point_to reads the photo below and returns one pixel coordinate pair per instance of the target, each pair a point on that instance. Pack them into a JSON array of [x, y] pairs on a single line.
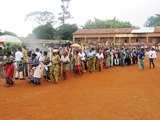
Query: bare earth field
[[120, 93]]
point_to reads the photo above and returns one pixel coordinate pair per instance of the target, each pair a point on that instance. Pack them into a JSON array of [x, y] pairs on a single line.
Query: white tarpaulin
[[144, 30]]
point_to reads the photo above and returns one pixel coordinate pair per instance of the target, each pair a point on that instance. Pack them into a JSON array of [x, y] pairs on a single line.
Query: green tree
[[109, 23], [153, 21], [44, 32], [65, 31]]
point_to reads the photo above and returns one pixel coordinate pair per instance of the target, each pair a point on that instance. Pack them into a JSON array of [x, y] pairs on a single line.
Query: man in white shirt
[[18, 55], [38, 53], [152, 56], [19, 64]]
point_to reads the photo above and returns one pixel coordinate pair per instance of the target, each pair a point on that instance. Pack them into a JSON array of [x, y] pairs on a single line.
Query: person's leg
[[97, 65], [94, 64], [118, 61], [112, 60], [108, 62], [16, 74], [101, 65], [56, 74], [51, 74], [21, 77], [153, 63], [139, 63], [64, 74], [150, 62], [90, 65], [142, 64], [25, 70], [83, 66], [7, 81], [38, 81], [10, 80]]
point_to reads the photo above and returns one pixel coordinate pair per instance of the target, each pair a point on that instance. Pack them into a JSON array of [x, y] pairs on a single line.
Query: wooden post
[[74, 39], [129, 41], [114, 40], [147, 39]]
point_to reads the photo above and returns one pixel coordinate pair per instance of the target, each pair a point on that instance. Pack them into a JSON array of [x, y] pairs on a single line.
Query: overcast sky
[[13, 12]]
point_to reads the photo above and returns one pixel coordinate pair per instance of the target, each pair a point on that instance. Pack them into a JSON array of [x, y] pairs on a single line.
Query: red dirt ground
[[114, 94]]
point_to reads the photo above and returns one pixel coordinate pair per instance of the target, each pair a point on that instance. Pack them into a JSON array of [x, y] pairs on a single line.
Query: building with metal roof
[[147, 36]]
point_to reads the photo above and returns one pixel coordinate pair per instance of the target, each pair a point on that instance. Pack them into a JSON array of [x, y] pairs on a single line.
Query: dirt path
[[114, 94]]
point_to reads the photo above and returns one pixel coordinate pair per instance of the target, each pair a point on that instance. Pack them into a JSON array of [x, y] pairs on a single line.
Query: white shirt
[[18, 56], [82, 55], [65, 59], [100, 55], [41, 58], [152, 54], [38, 54]]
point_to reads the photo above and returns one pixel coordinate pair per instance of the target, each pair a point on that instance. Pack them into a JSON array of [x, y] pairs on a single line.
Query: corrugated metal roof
[[104, 31], [157, 29], [118, 31], [144, 30]]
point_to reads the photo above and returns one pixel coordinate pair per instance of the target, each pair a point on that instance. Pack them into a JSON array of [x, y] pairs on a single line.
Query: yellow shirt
[[25, 55], [55, 59]]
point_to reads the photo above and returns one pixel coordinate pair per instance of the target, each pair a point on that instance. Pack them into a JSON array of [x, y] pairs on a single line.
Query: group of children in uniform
[[61, 63]]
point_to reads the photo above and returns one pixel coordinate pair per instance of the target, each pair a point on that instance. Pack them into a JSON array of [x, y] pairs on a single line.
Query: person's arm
[[68, 60], [155, 55]]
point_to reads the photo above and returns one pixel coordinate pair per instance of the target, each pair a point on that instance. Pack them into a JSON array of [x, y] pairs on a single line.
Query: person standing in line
[[141, 56], [25, 61], [108, 59], [65, 68], [55, 68], [38, 53], [122, 57], [9, 70], [83, 59], [37, 74], [71, 57], [111, 57], [94, 59], [19, 64], [90, 57], [152, 56], [116, 58], [100, 58], [46, 63], [77, 60]]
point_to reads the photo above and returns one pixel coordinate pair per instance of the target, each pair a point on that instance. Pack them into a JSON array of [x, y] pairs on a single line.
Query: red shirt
[[9, 70]]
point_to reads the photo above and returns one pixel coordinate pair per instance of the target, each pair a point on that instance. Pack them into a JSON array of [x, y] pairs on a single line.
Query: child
[[35, 74]]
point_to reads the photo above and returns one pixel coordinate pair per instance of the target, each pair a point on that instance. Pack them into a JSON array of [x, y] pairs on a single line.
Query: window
[[126, 41]]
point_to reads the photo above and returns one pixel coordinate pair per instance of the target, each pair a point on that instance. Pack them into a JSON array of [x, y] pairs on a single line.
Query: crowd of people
[[56, 64]]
